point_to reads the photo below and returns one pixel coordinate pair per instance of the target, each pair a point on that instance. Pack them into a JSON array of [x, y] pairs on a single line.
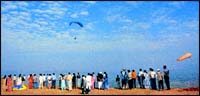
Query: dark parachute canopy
[[80, 24]]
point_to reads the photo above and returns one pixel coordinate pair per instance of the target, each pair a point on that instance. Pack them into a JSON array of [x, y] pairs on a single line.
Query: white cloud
[[112, 18], [22, 3], [42, 22], [85, 13], [144, 25], [134, 3], [8, 5], [177, 4], [193, 24], [55, 9], [74, 15], [26, 14], [90, 2], [127, 20], [14, 12]]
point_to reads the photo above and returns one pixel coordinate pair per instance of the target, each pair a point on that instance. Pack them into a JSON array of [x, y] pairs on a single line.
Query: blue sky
[[36, 36]]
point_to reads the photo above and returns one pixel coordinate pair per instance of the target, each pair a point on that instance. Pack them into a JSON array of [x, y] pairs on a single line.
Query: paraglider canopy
[[75, 22], [185, 56]]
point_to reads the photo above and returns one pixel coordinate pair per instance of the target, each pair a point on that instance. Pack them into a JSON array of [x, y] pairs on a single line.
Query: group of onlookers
[[66, 81], [87, 82], [145, 79]]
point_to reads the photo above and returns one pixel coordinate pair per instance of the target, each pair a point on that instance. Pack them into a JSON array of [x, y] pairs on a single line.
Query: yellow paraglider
[[22, 88], [185, 56]]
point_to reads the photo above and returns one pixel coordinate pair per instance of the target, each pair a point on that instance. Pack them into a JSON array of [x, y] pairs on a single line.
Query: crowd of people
[[145, 79], [65, 81], [87, 82]]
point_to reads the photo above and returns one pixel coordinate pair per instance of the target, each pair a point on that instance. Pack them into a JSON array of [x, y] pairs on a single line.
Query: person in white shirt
[[88, 82], [54, 81], [19, 82], [146, 80], [141, 76], [41, 81], [160, 79], [152, 76], [49, 81]]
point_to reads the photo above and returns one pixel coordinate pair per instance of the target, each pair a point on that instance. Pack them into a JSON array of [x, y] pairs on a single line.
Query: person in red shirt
[[9, 83], [30, 79]]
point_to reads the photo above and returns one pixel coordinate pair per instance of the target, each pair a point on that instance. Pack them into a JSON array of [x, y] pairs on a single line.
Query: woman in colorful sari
[[30, 79], [9, 83]]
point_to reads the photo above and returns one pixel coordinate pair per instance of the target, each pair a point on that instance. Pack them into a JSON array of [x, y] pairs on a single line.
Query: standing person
[[49, 81], [9, 83], [134, 77], [74, 81], [92, 81], [94, 78], [146, 80], [82, 81], [19, 82], [78, 80], [60, 79], [124, 78], [100, 80], [44, 80], [138, 78], [66, 81], [83, 84], [53, 81], [160, 79], [118, 81], [130, 81], [166, 77], [40, 81], [23, 79], [106, 86], [103, 85], [88, 82], [35, 79], [63, 85], [30, 79], [14, 79], [153, 79], [69, 79], [3, 83], [141, 76]]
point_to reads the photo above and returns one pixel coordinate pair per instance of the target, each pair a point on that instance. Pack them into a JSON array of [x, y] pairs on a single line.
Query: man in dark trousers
[[166, 77]]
